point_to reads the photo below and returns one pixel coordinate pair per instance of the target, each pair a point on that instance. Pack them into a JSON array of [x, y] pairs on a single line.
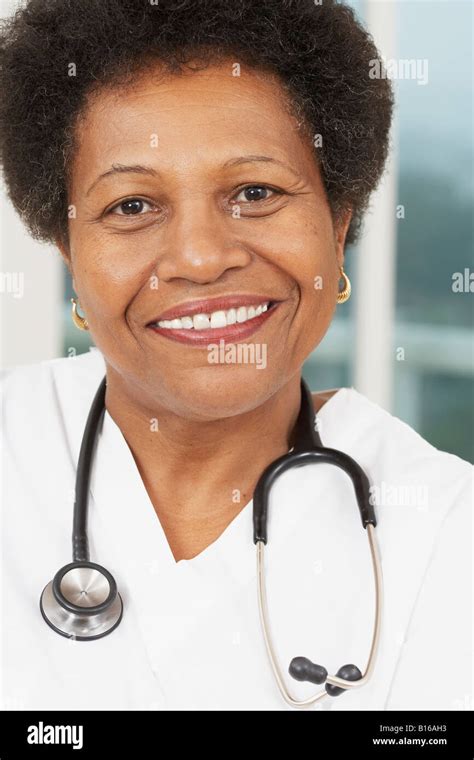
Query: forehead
[[193, 118]]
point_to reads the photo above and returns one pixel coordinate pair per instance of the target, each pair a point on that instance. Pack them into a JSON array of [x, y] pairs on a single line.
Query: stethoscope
[[82, 601]]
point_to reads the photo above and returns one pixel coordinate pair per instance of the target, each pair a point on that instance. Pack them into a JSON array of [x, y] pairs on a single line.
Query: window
[[433, 351]]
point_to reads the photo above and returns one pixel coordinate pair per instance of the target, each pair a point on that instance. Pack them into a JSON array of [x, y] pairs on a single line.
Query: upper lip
[[208, 305]]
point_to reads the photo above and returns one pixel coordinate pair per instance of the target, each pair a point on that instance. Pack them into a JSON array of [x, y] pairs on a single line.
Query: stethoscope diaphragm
[[82, 601]]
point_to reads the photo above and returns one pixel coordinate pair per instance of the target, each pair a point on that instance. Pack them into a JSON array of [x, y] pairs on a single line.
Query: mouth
[[199, 323]]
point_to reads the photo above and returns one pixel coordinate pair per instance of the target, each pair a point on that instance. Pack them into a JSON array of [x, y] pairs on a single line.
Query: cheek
[[311, 261], [316, 273], [321, 291], [106, 276]]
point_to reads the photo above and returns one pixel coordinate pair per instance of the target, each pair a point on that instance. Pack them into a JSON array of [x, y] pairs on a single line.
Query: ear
[[66, 257], [341, 228]]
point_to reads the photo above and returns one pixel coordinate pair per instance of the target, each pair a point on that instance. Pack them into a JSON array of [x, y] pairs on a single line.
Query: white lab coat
[[190, 637]]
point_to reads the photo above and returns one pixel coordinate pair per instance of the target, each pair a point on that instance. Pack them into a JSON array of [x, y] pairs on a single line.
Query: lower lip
[[231, 333]]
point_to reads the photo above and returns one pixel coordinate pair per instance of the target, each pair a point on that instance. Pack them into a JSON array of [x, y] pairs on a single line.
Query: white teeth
[[201, 322], [217, 319], [241, 314]]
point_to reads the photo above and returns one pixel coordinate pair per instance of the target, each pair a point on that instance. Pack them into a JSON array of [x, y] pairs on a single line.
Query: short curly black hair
[[319, 51]]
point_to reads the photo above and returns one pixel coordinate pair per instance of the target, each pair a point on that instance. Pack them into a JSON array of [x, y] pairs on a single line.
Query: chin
[[223, 391]]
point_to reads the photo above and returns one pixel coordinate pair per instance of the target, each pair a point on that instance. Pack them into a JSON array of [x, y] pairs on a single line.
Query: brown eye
[[255, 193], [131, 207]]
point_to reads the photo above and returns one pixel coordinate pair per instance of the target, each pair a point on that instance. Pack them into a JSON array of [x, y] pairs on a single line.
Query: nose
[[200, 244]]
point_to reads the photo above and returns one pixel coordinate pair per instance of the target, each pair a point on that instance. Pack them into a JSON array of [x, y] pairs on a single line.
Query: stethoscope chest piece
[[82, 601]]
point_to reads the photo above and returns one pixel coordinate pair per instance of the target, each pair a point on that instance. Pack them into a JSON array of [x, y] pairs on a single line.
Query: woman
[[201, 168]]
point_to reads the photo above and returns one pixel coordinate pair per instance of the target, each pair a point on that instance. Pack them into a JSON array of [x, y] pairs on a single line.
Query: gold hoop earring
[[345, 294], [80, 322]]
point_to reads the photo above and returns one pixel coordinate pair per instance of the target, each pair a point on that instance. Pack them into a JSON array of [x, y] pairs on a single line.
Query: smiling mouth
[[193, 326], [215, 319]]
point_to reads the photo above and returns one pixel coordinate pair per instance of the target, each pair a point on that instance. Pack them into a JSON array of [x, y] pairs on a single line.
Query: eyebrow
[[123, 169], [256, 159], [140, 169]]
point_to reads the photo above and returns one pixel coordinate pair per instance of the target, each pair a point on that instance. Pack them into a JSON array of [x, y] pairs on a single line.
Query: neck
[[202, 472]]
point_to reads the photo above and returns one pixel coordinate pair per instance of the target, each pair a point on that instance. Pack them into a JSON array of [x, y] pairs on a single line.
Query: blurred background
[[405, 338]]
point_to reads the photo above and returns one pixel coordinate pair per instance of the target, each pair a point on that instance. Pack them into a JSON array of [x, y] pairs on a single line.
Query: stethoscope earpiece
[[303, 669], [348, 673], [82, 601]]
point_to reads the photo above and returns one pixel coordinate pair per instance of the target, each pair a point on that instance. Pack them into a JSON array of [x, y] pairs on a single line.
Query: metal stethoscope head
[[82, 601]]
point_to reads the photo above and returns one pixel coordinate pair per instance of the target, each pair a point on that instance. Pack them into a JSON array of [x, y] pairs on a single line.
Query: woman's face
[[195, 187]]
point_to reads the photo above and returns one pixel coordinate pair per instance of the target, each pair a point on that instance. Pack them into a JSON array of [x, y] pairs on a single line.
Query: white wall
[[31, 277]]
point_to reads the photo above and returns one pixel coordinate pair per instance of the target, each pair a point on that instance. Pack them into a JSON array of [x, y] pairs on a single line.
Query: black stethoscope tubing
[[102, 607]]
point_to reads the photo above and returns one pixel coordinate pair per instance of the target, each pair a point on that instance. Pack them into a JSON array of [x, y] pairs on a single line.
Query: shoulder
[[350, 419], [412, 481], [34, 395]]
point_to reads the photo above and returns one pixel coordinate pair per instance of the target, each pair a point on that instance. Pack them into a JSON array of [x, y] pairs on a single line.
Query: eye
[[131, 207], [256, 193]]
